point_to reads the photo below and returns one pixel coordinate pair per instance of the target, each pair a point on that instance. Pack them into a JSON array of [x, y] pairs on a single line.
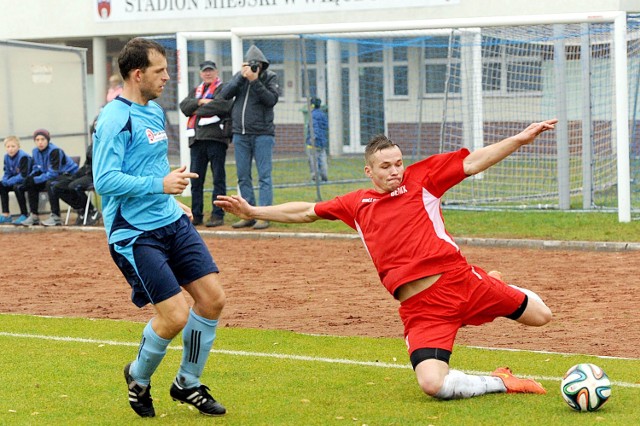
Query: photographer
[[256, 92]]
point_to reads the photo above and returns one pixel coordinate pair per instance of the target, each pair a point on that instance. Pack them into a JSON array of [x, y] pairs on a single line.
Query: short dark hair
[[377, 143], [135, 55]]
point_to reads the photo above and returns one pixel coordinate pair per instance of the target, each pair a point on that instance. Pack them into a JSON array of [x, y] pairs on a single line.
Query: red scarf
[[200, 94]]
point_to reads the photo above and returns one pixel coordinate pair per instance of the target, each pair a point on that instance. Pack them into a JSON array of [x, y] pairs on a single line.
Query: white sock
[[529, 293], [458, 385]]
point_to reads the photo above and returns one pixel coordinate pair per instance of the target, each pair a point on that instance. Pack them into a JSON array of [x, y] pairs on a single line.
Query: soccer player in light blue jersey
[[150, 234]]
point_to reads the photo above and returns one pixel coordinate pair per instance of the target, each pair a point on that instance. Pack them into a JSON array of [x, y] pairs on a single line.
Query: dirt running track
[[329, 286]]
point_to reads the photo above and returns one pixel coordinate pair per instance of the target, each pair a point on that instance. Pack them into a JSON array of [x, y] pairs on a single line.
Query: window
[[508, 66], [311, 76], [400, 59], [511, 67], [312, 81], [442, 64], [400, 80]]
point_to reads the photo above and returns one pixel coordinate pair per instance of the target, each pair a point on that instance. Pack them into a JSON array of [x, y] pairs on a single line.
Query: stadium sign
[[134, 10]]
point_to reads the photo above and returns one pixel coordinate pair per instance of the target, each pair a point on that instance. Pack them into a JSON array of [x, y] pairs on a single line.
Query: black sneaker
[[79, 218], [93, 217], [199, 397], [215, 221], [139, 397]]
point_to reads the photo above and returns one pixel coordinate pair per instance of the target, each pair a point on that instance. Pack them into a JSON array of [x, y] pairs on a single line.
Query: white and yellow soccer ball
[[585, 387]]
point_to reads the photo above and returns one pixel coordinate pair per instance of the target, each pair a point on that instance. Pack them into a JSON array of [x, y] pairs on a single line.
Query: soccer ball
[[585, 387]]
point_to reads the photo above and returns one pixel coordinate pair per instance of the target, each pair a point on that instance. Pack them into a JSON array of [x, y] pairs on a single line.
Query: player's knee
[[429, 386], [537, 314], [545, 315], [210, 306], [430, 374], [218, 301], [168, 328], [180, 321]]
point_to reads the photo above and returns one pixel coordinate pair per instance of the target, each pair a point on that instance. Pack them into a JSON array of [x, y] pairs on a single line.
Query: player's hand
[[535, 129], [186, 209], [176, 181], [248, 73], [235, 205]]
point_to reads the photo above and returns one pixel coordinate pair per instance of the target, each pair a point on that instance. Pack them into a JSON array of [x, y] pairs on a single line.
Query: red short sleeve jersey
[[403, 231]]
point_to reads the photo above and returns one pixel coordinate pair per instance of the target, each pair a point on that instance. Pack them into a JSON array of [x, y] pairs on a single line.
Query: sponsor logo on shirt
[[399, 191], [369, 200], [156, 137]]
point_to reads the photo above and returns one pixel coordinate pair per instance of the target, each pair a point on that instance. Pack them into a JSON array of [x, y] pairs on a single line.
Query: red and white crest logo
[[156, 137], [104, 8]]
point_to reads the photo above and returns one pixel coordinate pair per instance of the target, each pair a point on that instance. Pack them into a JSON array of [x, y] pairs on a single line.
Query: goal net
[[433, 90]]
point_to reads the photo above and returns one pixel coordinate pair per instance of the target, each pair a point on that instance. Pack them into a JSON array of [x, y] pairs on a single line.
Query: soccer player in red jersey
[[401, 225]]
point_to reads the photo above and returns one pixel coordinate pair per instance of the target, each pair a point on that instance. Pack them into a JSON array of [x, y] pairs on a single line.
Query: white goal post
[[474, 115]]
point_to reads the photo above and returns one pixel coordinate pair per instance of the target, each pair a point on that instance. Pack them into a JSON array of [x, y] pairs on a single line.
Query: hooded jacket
[[252, 112]]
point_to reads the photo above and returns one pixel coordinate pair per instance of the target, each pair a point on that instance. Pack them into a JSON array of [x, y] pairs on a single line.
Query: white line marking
[[551, 353], [278, 356]]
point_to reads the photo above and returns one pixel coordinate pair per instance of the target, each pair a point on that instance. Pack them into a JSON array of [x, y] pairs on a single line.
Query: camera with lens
[[254, 65]]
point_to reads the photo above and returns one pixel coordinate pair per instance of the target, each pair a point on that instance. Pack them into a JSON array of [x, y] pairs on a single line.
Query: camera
[[254, 65]]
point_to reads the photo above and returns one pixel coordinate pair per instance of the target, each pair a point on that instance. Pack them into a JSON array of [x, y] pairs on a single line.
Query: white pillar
[[321, 70], [99, 73], [334, 98], [587, 118], [212, 52], [562, 128], [237, 55], [622, 116], [183, 92]]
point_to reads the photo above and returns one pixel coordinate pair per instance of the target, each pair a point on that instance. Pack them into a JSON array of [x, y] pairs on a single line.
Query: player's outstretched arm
[[293, 212], [483, 158]]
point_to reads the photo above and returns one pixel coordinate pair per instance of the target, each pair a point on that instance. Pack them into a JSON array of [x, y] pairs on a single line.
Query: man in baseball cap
[[209, 120], [208, 65]]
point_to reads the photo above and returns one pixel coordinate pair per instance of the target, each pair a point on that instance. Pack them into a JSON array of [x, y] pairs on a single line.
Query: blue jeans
[[202, 153], [317, 162], [260, 147]]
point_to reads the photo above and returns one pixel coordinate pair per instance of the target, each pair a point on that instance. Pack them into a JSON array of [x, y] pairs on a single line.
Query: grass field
[[67, 371]]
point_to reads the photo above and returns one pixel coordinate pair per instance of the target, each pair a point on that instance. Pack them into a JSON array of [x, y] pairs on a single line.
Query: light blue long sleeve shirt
[[129, 165]]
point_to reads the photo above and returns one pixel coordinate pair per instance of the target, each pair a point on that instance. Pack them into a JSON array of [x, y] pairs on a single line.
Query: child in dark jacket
[[17, 165], [49, 162]]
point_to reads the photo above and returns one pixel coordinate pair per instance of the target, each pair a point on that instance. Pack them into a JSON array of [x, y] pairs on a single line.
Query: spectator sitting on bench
[[71, 189], [49, 163], [17, 165]]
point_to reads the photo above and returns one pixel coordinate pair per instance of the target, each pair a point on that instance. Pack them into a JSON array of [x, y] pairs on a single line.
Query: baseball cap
[[208, 65]]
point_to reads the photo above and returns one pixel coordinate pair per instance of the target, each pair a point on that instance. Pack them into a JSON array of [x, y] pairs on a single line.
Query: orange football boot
[[517, 385]]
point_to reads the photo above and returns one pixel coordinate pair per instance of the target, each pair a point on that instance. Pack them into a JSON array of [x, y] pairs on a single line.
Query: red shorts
[[465, 296]]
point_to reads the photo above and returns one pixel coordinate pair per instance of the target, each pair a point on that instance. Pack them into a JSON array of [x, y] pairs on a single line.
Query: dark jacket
[[219, 131], [16, 168], [320, 127], [252, 112], [50, 163], [86, 169]]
